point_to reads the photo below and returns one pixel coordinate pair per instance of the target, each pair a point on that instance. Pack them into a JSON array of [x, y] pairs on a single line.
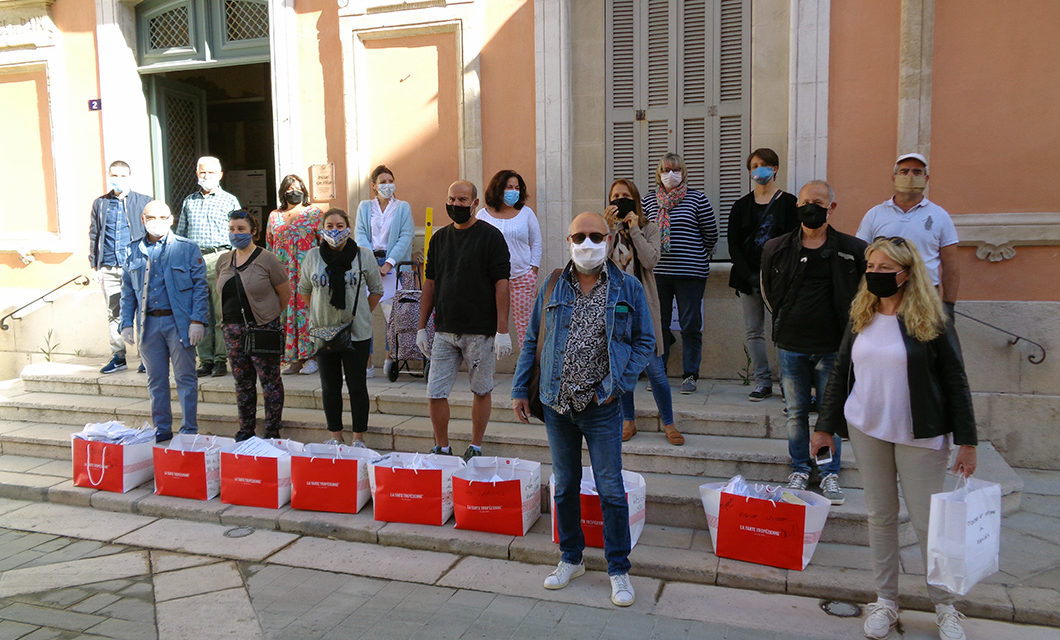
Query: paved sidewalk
[[70, 572]]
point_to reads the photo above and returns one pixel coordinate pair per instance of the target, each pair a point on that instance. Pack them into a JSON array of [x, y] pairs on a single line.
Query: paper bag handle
[[102, 465]]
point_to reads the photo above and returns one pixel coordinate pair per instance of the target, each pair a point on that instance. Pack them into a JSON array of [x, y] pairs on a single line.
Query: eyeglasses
[[578, 238], [895, 240]]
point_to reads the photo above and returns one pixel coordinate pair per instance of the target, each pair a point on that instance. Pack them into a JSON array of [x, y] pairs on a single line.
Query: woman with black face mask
[[290, 233], [635, 249], [899, 392]]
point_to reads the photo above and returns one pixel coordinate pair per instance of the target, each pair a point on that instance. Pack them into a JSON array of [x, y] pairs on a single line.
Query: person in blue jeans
[[597, 338], [809, 277], [164, 294]]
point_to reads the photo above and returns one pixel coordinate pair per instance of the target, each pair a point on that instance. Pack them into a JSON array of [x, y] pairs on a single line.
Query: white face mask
[[386, 189], [157, 227], [671, 179], [589, 255], [209, 183]]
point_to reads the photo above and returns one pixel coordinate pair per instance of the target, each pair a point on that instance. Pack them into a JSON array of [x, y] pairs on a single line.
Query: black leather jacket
[[782, 272], [939, 398]]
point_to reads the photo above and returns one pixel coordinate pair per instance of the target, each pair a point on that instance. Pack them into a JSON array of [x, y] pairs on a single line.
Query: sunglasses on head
[[578, 238], [239, 214], [895, 240]]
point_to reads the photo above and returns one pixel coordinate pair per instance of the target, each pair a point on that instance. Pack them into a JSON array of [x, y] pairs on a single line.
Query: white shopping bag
[[592, 511], [964, 535]]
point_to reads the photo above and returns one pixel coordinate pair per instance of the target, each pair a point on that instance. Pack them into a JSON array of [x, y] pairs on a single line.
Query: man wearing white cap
[[911, 216]]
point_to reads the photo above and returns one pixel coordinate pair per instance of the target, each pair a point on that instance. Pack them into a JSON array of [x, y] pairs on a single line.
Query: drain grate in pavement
[[840, 608], [239, 532]]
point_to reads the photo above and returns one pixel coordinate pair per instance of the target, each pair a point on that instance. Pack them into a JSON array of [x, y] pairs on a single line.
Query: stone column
[[808, 110], [916, 49], [283, 59]]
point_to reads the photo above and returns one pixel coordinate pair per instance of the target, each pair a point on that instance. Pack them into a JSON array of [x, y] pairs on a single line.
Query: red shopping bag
[[110, 467], [760, 531], [337, 485], [191, 466], [592, 511], [255, 481], [497, 495], [409, 495]]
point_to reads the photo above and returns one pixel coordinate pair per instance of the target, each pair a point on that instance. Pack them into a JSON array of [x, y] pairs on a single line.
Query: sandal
[[673, 435], [294, 367]]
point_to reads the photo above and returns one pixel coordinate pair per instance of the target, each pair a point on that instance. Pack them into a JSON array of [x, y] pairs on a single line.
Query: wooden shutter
[[734, 110]]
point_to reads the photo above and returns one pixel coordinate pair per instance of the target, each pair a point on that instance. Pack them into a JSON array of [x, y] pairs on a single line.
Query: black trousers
[[331, 367]]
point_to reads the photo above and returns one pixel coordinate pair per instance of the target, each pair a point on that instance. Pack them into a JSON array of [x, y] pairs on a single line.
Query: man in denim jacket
[[598, 337], [164, 292]]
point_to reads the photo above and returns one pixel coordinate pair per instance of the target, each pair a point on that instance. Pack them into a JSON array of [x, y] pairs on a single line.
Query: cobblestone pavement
[[152, 578]]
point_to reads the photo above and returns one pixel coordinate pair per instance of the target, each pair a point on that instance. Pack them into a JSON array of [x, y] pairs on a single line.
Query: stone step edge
[[660, 562]]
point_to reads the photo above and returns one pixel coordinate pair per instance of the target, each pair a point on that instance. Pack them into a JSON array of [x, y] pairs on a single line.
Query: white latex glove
[[127, 335], [195, 333], [422, 342], [502, 345]]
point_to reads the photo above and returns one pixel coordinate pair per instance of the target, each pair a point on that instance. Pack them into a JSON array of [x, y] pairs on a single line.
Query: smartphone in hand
[[823, 456]]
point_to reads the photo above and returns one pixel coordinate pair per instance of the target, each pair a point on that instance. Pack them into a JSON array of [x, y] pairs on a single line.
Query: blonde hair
[[676, 162], [921, 307]]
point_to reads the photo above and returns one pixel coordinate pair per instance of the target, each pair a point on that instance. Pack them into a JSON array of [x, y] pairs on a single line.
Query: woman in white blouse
[[506, 209], [384, 225]]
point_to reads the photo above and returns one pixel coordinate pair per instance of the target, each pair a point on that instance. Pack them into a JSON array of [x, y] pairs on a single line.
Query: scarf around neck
[[668, 200], [337, 263]]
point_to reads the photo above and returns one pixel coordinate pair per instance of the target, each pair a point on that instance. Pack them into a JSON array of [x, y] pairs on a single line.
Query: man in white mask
[[204, 221], [164, 295], [910, 215], [597, 336]]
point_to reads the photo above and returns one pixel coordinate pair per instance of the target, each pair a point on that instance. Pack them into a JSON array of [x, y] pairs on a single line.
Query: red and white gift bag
[[257, 473], [592, 513], [498, 495], [779, 533], [111, 467], [191, 466], [413, 487], [331, 477]]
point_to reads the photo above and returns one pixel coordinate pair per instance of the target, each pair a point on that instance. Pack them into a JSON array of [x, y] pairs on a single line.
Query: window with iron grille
[[175, 32]]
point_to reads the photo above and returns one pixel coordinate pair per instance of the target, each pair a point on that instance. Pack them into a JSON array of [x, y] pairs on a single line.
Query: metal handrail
[[1032, 358], [81, 281]]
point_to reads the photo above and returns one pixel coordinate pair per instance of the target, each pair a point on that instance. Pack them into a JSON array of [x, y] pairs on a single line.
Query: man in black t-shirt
[[466, 286], [809, 277]]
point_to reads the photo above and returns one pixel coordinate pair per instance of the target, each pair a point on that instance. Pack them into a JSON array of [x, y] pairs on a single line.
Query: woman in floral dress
[[291, 232]]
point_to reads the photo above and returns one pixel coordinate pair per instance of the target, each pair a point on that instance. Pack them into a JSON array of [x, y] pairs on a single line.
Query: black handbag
[[263, 342], [337, 338]]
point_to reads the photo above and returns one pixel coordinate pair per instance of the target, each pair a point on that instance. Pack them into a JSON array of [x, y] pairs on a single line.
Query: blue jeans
[[798, 373], [601, 426], [660, 388], [689, 294], [159, 347]]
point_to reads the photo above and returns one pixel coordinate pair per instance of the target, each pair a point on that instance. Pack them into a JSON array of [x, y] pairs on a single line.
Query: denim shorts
[[449, 350]]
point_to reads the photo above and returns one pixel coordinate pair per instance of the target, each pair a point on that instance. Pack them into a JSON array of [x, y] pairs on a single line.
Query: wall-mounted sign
[[322, 182], [95, 105]]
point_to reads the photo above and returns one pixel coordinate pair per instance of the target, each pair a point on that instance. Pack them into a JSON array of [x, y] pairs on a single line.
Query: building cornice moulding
[[26, 23], [996, 235]]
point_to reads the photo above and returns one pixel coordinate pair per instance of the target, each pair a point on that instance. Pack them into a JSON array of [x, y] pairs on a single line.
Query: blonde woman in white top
[[507, 211]]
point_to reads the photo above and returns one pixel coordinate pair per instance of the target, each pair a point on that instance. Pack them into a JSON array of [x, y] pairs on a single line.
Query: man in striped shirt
[[204, 221]]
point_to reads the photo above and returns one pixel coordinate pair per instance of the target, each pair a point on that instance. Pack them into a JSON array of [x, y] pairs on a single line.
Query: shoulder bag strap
[[239, 284]]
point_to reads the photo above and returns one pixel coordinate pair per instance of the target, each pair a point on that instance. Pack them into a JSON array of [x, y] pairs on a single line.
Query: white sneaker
[[798, 480], [949, 621], [369, 372], [880, 620], [310, 367], [622, 590], [564, 573]]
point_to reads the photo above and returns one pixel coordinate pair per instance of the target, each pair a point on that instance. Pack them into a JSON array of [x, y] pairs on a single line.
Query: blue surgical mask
[[762, 175], [335, 237], [511, 196], [239, 240]]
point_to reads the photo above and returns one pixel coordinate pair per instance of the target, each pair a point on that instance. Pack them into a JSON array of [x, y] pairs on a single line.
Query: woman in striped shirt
[[688, 232]]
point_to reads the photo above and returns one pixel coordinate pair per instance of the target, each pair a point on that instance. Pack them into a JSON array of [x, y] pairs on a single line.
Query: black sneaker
[[142, 368], [204, 369], [219, 369], [441, 452], [471, 452], [272, 434], [163, 436], [760, 393], [115, 365], [245, 435]]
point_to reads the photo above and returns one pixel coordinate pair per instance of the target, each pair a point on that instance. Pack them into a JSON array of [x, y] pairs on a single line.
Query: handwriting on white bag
[[981, 515]]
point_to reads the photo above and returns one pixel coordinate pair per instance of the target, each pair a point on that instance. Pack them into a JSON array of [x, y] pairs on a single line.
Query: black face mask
[[294, 197], [882, 284], [625, 206], [457, 213], [812, 215]]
